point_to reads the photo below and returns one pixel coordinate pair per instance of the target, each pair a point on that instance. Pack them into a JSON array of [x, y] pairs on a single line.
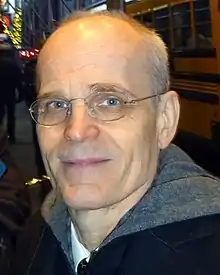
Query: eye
[[112, 101], [56, 104]]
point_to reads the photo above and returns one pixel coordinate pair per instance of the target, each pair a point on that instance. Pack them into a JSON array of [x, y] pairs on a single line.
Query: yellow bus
[[191, 32]]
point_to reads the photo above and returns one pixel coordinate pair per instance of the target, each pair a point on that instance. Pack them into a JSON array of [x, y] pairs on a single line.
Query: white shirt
[[79, 250]]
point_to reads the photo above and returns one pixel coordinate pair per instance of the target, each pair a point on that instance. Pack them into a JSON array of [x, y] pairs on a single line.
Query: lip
[[86, 162]]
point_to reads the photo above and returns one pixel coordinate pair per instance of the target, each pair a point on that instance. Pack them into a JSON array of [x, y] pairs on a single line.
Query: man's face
[[97, 163]]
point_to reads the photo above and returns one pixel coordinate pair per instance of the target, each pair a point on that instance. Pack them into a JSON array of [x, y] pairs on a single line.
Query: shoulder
[[188, 247], [185, 247], [194, 245], [178, 233]]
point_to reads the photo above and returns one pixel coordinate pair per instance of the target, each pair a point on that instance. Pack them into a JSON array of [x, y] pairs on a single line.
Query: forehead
[[88, 51]]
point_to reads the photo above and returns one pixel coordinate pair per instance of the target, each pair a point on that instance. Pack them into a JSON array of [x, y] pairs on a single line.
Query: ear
[[167, 118]]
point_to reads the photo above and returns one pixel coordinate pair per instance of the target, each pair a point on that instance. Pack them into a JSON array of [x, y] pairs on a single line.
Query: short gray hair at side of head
[[155, 60]]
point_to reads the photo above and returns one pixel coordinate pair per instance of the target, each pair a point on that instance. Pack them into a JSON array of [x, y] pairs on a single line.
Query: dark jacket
[[30, 82], [10, 79], [13, 205], [174, 229]]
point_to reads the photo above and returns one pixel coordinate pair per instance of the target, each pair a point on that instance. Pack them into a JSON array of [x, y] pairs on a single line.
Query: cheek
[[136, 135], [136, 142], [140, 146], [49, 139]]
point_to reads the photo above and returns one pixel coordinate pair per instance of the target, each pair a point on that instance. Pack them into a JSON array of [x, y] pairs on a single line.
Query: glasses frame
[[131, 102]]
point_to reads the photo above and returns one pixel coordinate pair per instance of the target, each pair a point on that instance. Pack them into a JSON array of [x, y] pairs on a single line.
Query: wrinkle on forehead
[[69, 66], [74, 58], [56, 72], [73, 72]]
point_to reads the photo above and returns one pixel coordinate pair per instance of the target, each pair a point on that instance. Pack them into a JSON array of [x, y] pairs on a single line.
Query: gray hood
[[181, 190]]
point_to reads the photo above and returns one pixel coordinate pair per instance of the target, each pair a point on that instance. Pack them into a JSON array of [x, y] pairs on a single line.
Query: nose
[[80, 126]]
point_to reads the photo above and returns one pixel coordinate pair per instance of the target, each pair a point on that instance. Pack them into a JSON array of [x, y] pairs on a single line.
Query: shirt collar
[[78, 249]]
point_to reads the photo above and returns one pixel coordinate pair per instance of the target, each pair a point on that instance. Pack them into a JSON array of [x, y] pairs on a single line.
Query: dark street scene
[[123, 97]]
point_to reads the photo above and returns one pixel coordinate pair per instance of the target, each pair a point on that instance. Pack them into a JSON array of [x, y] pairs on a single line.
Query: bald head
[[142, 45]]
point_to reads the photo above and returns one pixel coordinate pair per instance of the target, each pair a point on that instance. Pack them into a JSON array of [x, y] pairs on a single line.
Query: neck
[[93, 226], [90, 231]]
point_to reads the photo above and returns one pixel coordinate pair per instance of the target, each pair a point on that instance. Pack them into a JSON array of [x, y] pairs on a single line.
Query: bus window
[[202, 24], [161, 24], [182, 29]]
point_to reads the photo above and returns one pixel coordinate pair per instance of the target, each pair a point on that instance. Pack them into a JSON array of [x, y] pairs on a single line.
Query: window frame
[[178, 51]]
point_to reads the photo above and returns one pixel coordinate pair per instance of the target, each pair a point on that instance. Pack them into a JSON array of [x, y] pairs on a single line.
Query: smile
[[83, 163]]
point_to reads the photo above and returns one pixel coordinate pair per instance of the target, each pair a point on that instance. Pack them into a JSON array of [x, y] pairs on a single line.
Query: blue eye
[[111, 102], [57, 104]]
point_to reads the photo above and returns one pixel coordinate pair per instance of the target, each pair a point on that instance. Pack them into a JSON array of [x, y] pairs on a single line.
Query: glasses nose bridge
[[71, 102]]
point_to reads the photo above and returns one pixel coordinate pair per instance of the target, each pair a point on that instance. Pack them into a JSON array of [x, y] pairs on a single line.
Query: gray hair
[[155, 61]]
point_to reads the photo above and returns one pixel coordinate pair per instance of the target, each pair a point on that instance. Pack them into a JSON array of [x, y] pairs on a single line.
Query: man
[[124, 200], [13, 204], [10, 79]]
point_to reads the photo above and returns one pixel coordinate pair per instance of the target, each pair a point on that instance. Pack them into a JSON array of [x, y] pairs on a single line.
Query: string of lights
[[14, 33]]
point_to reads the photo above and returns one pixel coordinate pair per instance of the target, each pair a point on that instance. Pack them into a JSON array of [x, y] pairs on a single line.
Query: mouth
[[83, 163]]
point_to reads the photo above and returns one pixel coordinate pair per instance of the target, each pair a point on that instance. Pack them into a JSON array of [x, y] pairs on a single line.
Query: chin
[[83, 197]]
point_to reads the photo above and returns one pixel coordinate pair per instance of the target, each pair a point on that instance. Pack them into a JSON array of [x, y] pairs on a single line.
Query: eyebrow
[[94, 87], [52, 94], [108, 87]]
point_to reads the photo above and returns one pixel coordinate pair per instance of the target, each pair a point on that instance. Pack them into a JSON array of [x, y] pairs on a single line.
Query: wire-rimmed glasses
[[105, 106]]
